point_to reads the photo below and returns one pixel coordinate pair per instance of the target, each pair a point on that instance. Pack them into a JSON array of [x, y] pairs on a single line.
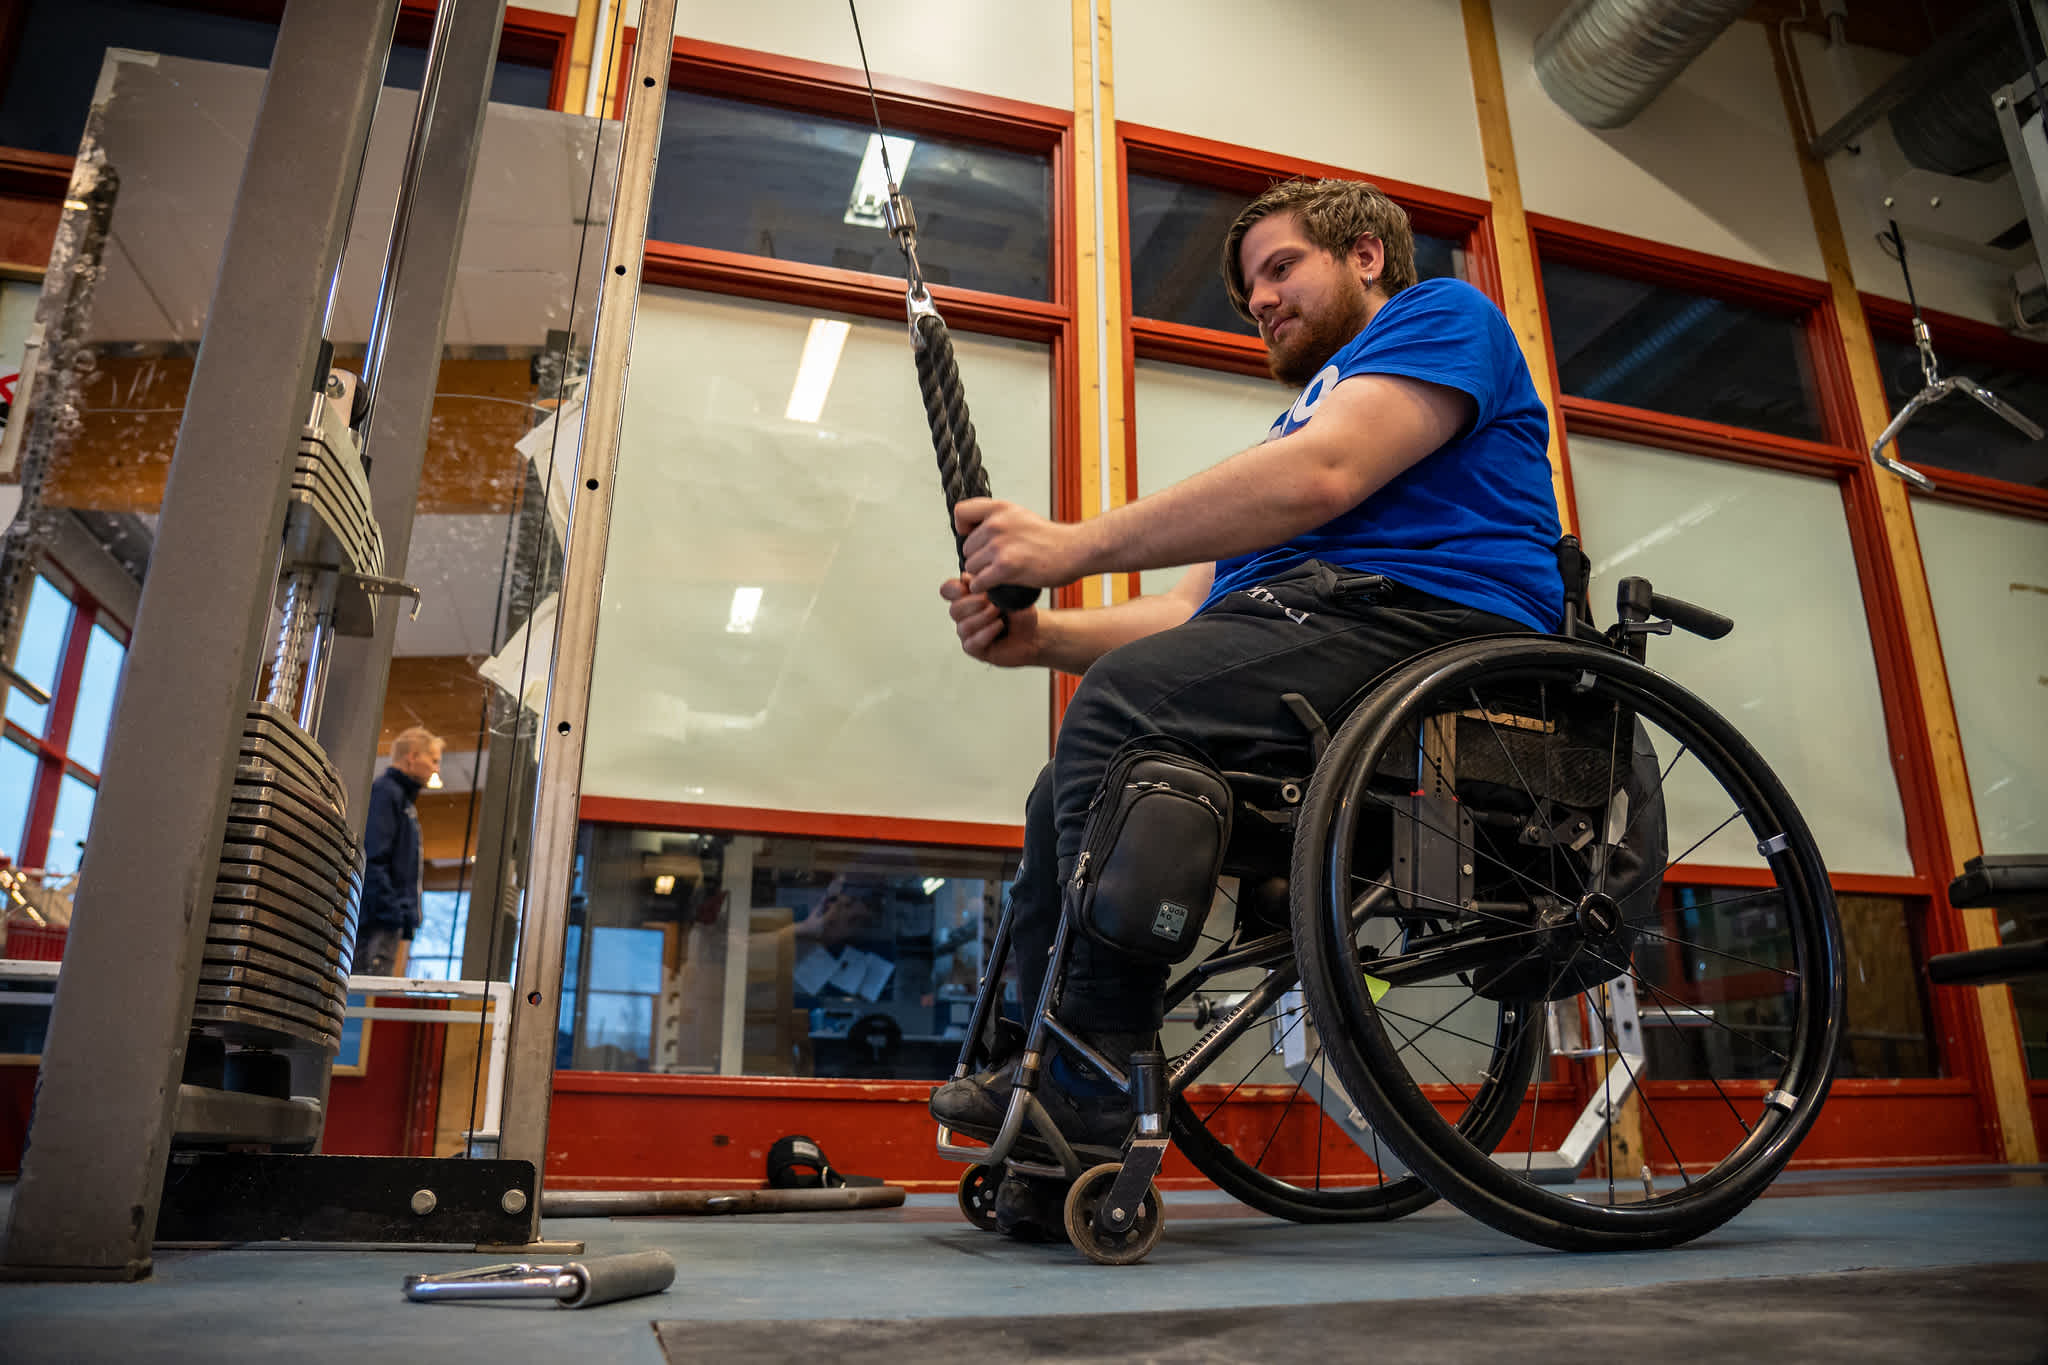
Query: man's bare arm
[[1367, 431], [1069, 640]]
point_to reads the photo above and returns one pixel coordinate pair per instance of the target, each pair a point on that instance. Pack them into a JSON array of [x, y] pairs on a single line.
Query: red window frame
[[1200, 161], [52, 748], [1953, 1021], [906, 106]]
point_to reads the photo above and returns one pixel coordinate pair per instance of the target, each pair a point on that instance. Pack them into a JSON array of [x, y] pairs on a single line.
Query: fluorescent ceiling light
[[932, 884], [814, 372], [434, 783], [871, 185], [746, 605]]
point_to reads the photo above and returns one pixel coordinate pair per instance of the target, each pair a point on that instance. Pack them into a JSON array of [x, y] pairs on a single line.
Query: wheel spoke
[[1635, 1081], [1732, 957], [1285, 1109], [1535, 801], [1606, 853], [1670, 863], [1508, 868], [1715, 1020], [1715, 1081], [1299, 1015]]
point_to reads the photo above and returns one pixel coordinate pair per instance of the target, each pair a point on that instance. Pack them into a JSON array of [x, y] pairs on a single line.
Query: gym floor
[[1921, 1265]]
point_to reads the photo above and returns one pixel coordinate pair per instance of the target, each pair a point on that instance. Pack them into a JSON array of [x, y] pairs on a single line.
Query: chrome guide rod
[[536, 995]]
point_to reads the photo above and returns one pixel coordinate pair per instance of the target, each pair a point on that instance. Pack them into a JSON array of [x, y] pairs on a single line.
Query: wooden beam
[[1521, 292], [1098, 282], [1959, 837]]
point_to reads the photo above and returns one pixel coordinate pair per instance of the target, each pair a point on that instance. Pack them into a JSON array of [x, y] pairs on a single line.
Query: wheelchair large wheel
[[1462, 847], [1263, 1139]]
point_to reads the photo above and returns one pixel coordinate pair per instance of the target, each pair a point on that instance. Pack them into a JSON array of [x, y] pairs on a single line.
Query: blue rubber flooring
[[923, 1262]]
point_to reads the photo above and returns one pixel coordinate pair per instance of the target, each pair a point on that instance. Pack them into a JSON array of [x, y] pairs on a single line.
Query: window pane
[[1177, 233], [1797, 676], [1988, 576], [17, 785], [36, 658], [68, 828], [1717, 998], [63, 42], [1960, 433], [772, 631], [87, 744], [1648, 346], [436, 953], [777, 183], [858, 959], [521, 83], [1188, 419]]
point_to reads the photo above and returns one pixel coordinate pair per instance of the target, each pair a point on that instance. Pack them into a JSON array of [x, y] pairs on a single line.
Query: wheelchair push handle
[[1635, 601]]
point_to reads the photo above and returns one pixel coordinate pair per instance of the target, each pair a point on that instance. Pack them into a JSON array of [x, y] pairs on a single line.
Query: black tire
[[1239, 1156], [1552, 697]]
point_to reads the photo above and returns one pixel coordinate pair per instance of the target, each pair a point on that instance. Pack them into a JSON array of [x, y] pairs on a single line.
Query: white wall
[[1710, 166], [1382, 88], [1019, 49]]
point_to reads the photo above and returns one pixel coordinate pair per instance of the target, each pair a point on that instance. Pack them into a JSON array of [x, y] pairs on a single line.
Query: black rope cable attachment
[[938, 372]]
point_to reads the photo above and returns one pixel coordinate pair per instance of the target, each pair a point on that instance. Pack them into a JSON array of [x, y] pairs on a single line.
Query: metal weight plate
[[231, 920], [272, 857], [321, 867], [283, 893], [288, 1011], [280, 1012], [227, 936], [233, 902], [327, 978], [279, 990], [257, 1028]]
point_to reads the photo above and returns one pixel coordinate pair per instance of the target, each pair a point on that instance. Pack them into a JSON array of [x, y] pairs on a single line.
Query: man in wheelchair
[[1403, 501]]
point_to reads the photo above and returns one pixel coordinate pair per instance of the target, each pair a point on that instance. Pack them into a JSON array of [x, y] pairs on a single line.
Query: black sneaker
[[975, 1104], [1030, 1209]]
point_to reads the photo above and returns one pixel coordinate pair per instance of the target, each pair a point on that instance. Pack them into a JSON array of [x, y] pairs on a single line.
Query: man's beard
[[1318, 336]]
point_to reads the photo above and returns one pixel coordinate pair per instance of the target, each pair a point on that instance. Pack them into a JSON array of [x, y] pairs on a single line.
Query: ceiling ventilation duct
[[1603, 61]]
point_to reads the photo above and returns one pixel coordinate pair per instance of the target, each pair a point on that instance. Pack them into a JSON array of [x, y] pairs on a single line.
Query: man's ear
[[1369, 257]]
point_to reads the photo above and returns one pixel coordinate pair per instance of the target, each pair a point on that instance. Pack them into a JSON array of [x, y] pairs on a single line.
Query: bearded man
[[1403, 501]]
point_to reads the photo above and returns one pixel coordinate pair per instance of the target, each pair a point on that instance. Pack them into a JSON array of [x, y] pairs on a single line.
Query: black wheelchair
[[1447, 936]]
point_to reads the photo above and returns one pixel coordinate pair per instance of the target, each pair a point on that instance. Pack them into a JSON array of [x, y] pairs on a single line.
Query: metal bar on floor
[[536, 1004], [93, 1176]]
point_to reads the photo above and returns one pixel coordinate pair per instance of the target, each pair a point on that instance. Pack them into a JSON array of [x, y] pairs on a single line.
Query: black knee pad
[[1151, 851]]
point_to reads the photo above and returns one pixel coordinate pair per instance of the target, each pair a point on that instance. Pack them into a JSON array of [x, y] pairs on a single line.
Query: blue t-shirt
[[1475, 521]]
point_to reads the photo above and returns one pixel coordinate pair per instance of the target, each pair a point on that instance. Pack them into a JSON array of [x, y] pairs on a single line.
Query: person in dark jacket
[[391, 855]]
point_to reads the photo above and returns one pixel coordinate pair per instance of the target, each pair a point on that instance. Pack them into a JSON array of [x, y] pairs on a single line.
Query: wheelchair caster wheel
[[978, 1195], [1103, 1235]]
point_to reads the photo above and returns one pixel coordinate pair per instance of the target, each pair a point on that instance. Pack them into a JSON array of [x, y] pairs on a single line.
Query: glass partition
[[490, 515]]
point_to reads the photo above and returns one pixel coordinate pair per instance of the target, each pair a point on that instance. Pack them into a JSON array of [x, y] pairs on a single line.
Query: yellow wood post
[[1520, 300], [582, 44], [1930, 672], [1098, 281]]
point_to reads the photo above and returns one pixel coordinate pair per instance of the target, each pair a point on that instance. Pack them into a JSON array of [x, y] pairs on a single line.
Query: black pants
[[1215, 682]]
